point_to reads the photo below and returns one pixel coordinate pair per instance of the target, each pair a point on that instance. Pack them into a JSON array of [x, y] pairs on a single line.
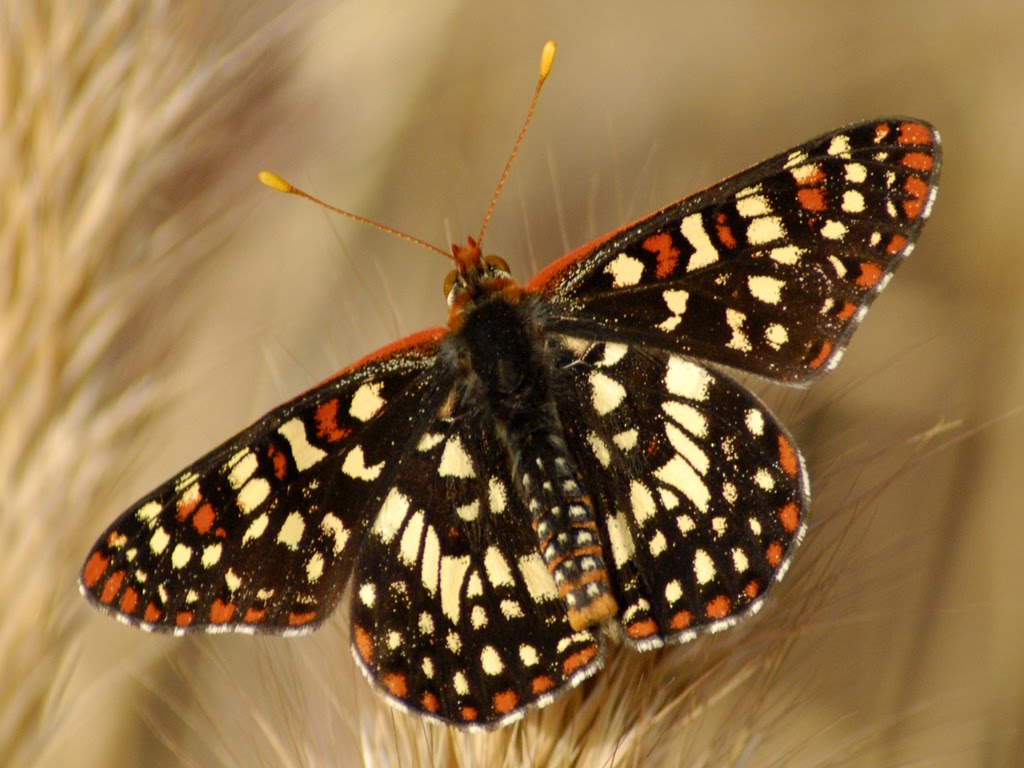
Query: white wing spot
[[620, 539], [315, 567], [833, 230], [766, 289], [490, 660], [626, 441], [776, 335], [613, 353], [391, 515], [686, 448], [430, 571], [675, 300], [764, 479], [755, 205], [497, 496], [642, 502], [409, 546], [786, 254], [355, 466], [765, 230], [475, 587], [528, 655], [181, 555], [158, 541], [253, 493], [538, 579], [429, 440], [606, 393], [366, 402], [704, 251], [333, 527], [687, 379], [678, 473], [673, 591], [211, 554], [455, 462], [256, 528], [510, 609], [625, 270], [148, 512], [291, 530], [739, 560], [856, 173], [368, 594], [600, 449], [735, 320], [453, 576], [304, 454], [460, 683], [688, 417], [657, 544], [755, 422], [840, 145], [853, 201], [802, 173], [498, 571], [232, 580], [241, 467], [469, 512], [703, 567]]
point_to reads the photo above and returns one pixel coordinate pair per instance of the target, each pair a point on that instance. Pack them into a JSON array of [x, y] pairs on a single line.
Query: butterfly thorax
[[504, 366]]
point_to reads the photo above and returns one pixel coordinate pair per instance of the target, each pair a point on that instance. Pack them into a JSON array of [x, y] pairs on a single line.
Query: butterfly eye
[[498, 264], [449, 282]]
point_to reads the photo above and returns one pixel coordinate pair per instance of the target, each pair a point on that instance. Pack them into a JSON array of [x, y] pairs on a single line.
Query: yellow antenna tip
[[547, 58], [272, 180]]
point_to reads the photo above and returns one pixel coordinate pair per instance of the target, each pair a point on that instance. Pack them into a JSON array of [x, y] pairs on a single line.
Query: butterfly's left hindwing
[[258, 534], [769, 271], [454, 613]]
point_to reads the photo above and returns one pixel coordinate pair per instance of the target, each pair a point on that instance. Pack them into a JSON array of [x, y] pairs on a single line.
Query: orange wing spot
[[112, 586], [327, 422], [896, 244], [298, 619], [429, 702], [811, 199], [220, 533], [469, 714], [823, 354], [789, 516], [183, 618], [881, 131], [718, 608], [774, 554], [752, 589], [918, 161], [917, 189], [152, 613], [578, 660], [668, 257], [129, 601], [254, 615], [396, 683], [280, 462], [870, 274], [681, 620], [364, 645], [914, 133], [725, 235], [542, 683], [644, 628], [94, 568], [846, 312], [505, 702], [203, 519], [221, 612], [787, 457]]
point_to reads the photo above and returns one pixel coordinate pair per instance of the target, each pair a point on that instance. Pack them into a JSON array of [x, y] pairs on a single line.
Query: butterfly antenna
[[547, 58], [275, 182]]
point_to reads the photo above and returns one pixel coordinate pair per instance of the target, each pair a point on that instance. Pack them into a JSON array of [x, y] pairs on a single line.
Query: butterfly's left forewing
[[769, 271], [258, 534]]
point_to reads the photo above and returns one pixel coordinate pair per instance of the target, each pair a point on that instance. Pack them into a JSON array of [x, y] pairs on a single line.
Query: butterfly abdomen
[[504, 357]]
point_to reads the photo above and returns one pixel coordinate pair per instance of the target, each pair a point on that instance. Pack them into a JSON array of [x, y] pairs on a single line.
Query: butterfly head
[[476, 277]]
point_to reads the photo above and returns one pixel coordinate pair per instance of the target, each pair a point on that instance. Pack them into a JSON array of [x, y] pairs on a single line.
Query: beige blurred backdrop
[[903, 612]]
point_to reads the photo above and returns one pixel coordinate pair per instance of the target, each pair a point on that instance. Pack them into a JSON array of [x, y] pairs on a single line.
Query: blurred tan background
[[208, 300]]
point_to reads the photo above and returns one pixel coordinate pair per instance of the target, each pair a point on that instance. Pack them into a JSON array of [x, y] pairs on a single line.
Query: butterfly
[[565, 460]]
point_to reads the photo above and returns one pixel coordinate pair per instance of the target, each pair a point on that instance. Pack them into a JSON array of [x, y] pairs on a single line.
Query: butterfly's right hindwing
[[258, 534]]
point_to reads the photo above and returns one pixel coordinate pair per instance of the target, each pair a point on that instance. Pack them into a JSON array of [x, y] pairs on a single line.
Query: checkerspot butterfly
[[565, 460]]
